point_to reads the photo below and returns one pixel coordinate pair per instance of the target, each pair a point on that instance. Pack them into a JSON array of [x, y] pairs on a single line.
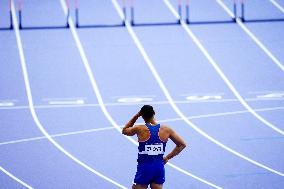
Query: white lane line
[[15, 178], [138, 103], [57, 135], [7, 104], [265, 92], [98, 94], [223, 76], [271, 95], [128, 26], [33, 112], [169, 97], [160, 121], [66, 102], [134, 99], [277, 5], [253, 37]]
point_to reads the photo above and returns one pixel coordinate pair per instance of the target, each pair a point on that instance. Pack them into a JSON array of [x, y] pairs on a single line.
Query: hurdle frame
[[11, 26], [244, 19], [22, 27], [231, 20], [78, 25]]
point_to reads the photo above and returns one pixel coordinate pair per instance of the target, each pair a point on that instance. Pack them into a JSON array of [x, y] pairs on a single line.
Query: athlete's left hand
[[165, 160]]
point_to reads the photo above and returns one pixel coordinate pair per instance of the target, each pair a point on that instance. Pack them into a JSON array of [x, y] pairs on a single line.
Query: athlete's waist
[[149, 159]]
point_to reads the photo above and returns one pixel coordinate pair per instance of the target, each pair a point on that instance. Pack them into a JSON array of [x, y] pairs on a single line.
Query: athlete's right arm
[[128, 129], [180, 145]]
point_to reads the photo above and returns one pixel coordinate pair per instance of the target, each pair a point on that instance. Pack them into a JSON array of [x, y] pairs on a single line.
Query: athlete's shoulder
[[166, 128], [140, 127]]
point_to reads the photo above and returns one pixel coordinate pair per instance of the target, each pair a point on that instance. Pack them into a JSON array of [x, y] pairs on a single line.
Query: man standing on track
[[152, 138]]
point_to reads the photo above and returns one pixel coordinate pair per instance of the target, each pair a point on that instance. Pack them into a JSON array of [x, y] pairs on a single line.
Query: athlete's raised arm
[[180, 145], [128, 129]]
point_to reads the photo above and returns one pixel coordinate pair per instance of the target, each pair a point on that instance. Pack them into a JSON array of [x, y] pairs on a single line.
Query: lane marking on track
[[5, 104], [141, 103], [134, 99], [66, 102], [279, 95], [160, 121], [158, 79], [221, 73], [203, 97], [15, 178], [276, 4], [252, 36], [169, 97], [97, 91], [31, 103]]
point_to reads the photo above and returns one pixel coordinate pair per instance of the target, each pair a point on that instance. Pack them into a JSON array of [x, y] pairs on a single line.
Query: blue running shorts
[[148, 172]]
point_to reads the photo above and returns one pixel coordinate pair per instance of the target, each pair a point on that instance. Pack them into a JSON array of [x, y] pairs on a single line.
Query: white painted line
[[134, 100], [33, 112], [224, 77], [133, 96], [252, 36], [137, 42], [141, 103], [203, 94], [272, 95], [169, 97], [264, 92], [5, 104], [15, 178], [277, 5], [203, 98], [67, 102], [96, 89], [160, 121], [64, 99]]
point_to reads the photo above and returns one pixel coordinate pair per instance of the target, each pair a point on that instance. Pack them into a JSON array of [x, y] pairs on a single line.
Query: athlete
[[152, 138]]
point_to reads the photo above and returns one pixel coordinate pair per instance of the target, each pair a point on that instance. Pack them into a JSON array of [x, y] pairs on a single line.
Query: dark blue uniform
[[150, 166]]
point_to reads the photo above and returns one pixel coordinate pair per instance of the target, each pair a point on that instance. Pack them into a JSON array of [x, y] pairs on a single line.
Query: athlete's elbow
[[127, 132], [182, 145]]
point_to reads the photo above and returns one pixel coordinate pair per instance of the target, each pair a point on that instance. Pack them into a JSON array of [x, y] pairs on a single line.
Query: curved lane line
[[221, 74], [170, 99], [33, 112], [252, 36], [161, 121], [100, 99], [277, 5], [15, 178]]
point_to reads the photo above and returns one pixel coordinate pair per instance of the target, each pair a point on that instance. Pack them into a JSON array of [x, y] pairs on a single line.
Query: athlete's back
[[152, 138]]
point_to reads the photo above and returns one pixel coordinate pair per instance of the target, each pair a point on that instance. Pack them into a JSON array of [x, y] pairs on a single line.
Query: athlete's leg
[[139, 186], [156, 186]]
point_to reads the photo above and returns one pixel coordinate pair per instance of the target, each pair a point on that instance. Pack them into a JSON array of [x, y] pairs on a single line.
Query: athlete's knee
[[156, 186], [139, 186]]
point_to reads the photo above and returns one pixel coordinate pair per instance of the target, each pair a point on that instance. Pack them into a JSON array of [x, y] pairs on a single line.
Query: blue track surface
[[68, 108]]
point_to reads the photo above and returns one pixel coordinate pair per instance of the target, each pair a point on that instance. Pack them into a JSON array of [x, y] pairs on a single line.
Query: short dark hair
[[147, 112]]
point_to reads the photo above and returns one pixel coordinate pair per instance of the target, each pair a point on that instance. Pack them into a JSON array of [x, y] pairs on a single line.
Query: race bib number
[[154, 149]]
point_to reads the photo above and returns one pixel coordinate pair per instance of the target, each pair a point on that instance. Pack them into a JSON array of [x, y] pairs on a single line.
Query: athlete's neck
[[151, 122]]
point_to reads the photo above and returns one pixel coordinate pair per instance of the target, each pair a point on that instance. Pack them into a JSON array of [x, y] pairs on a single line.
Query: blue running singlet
[[150, 166]]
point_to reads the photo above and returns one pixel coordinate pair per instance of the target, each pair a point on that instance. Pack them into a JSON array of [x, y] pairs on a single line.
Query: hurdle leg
[[10, 13], [124, 11], [132, 12], [179, 10], [68, 13], [243, 10], [76, 14], [20, 13], [187, 12], [235, 10]]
